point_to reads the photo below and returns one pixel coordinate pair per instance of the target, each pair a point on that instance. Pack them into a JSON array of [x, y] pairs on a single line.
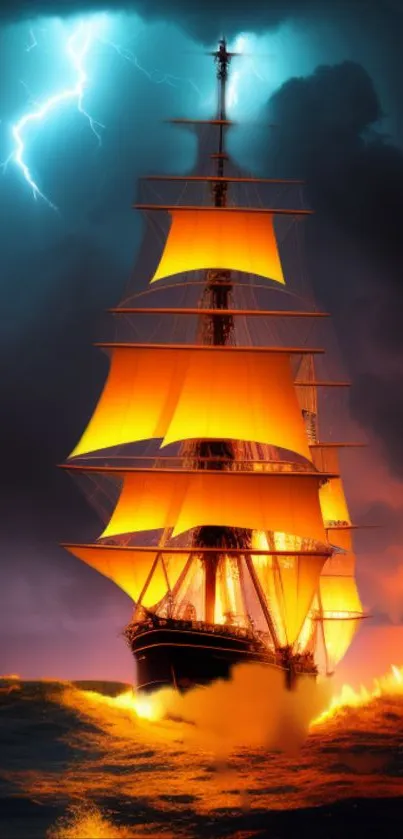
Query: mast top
[[222, 58]]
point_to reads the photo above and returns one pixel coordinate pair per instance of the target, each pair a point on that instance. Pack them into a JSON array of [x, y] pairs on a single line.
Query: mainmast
[[217, 330], [222, 58]]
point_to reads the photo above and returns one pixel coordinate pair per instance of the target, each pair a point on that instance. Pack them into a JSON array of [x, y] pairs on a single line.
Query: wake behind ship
[[229, 529]]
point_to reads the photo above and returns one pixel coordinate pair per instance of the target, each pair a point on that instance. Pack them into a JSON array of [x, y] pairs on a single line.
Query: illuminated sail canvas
[[177, 394], [224, 517], [219, 238]]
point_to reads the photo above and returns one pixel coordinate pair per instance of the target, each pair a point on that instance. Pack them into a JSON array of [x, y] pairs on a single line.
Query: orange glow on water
[[166, 705], [9, 688], [150, 762], [388, 685], [86, 821], [201, 716], [142, 706]]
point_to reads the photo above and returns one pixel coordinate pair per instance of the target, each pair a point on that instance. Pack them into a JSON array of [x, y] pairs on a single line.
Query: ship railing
[[207, 463], [262, 638], [222, 628], [242, 465], [301, 662]]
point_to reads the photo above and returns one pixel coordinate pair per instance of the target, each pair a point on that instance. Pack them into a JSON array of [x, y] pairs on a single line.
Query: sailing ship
[[229, 527]]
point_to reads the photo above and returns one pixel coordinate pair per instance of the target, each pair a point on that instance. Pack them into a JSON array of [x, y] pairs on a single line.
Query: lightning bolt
[[242, 43], [77, 47], [156, 76], [232, 89], [33, 42]]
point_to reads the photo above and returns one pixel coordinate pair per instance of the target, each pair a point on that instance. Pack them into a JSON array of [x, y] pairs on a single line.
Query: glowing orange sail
[[333, 502], [178, 394], [183, 500], [148, 501], [138, 398], [130, 568], [341, 606], [289, 583], [292, 582], [263, 564], [339, 596], [339, 629], [237, 241], [262, 407], [257, 502], [339, 602]]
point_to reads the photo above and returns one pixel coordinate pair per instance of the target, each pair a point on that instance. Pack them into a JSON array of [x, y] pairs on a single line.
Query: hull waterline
[[185, 654]]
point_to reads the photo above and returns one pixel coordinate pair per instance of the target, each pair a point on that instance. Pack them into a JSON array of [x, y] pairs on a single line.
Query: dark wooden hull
[[182, 655]]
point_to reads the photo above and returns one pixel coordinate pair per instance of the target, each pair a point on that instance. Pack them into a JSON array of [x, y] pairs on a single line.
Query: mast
[[222, 58], [217, 329], [218, 286], [217, 293]]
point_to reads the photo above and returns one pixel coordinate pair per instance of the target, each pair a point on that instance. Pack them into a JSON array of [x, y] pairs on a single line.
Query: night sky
[[330, 76]]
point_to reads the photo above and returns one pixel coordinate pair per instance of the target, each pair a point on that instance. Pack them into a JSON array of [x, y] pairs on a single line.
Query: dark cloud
[[329, 131], [377, 399], [210, 19], [43, 388], [387, 533], [325, 131], [200, 19]]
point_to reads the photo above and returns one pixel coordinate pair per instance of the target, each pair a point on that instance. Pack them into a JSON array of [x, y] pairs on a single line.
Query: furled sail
[[308, 396], [220, 238], [181, 393], [130, 568], [184, 500], [325, 457]]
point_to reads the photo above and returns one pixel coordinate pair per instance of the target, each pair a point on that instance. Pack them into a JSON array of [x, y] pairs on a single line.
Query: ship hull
[[174, 655]]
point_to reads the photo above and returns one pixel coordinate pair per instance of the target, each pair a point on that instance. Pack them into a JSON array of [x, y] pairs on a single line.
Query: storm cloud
[[200, 20], [329, 130]]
